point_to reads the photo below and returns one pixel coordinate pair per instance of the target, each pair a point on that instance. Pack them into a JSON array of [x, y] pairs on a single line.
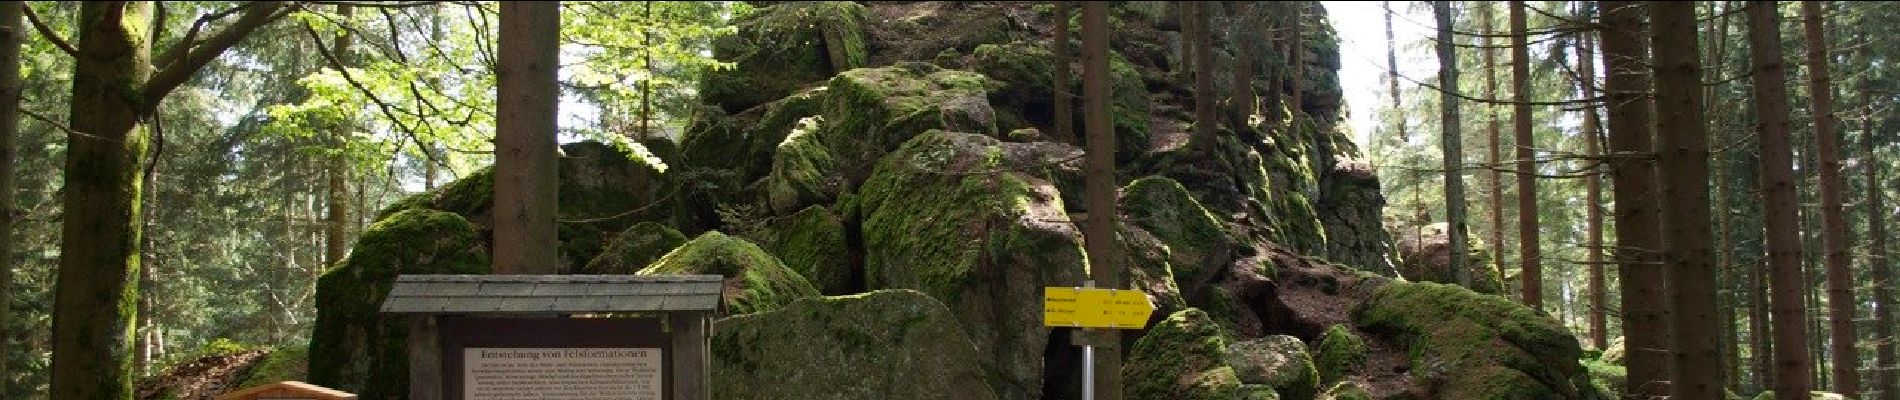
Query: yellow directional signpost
[[1091, 307], [1078, 307]]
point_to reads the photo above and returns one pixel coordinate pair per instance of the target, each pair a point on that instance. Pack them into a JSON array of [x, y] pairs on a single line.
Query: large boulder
[[755, 280], [784, 47], [1339, 353], [366, 352], [1199, 245], [887, 344], [1184, 358], [1465, 345], [871, 111], [634, 248], [1279, 362], [1025, 70], [812, 243], [966, 219]]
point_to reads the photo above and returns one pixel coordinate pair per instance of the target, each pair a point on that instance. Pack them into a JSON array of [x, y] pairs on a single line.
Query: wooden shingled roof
[[551, 294]]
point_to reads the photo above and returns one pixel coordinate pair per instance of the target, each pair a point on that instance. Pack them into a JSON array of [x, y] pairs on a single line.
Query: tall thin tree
[[1242, 34], [1205, 119], [336, 243], [1099, 182], [1840, 280], [1682, 162], [1296, 62], [1592, 192], [1633, 174], [1883, 376], [1787, 284], [526, 173], [12, 34], [1494, 179], [1454, 153], [1529, 267], [1392, 73]]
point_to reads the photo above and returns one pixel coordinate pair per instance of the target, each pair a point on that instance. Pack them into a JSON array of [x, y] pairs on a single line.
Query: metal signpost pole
[[1088, 358]]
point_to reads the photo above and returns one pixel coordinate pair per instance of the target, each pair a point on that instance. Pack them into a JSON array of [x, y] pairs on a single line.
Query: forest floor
[[202, 378]]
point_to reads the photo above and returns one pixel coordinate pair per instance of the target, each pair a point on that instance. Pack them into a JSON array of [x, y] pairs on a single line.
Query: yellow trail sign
[[1095, 308]]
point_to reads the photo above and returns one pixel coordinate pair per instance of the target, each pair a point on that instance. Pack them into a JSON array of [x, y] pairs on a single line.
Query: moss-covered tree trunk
[[526, 174], [11, 32], [96, 296], [1786, 281], [1454, 152], [1529, 267], [1633, 177], [1840, 281]]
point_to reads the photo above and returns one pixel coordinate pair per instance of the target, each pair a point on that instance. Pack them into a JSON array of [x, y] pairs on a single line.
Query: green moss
[[283, 364], [812, 243], [803, 172], [1607, 379], [1471, 346], [1026, 70], [782, 48], [1182, 357], [764, 284], [871, 111], [1148, 268], [1198, 244], [635, 248], [1345, 391], [1277, 361], [887, 344], [1339, 353], [366, 352]]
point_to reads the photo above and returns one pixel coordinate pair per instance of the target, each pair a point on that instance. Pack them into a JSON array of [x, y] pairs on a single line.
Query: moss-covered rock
[[1184, 358], [1199, 245], [634, 248], [803, 172], [365, 352], [784, 47], [812, 243], [888, 344], [283, 364], [1340, 352], [1615, 353], [871, 111], [1026, 70], [1608, 379], [1345, 391], [1277, 361], [755, 281], [954, 215], [1465, 345], [1149, 270]]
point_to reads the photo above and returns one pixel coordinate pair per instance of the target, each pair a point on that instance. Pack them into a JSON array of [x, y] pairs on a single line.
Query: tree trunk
[[1840, 281], [429, 163], [1392, 74], [1100, 185], [336, 243], [1883, 378], [11, 13], [1638, 235], [1186, 10], [1296, 63], [1682, 146], [1454, 154], [1494, 178], [93, 310], [1778, 197], [526, 177], [1064, 100], [1204, 115], [1593, 196], [646, 85], [1242, 36], [1529, 269]]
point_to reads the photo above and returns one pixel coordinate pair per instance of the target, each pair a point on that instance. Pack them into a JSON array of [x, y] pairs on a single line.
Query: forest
[[1319, 200]]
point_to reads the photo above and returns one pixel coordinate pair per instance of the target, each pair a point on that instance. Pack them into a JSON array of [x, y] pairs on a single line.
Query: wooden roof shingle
[[519, 294]]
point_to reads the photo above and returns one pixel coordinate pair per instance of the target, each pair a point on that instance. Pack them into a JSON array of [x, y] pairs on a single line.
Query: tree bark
[[11, 37], [1529, 269], [93, 309], [1792, 379], [1642, 283], [1242, 36], [1064, 100], [1682, 144], [1099, 181], [526, 173], [336, 243], [1493, 139], [1454, 154], [1392, 74], [1840, 280], [1593, 196], [1296, 63], [1883, 377], [1204, 115]]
